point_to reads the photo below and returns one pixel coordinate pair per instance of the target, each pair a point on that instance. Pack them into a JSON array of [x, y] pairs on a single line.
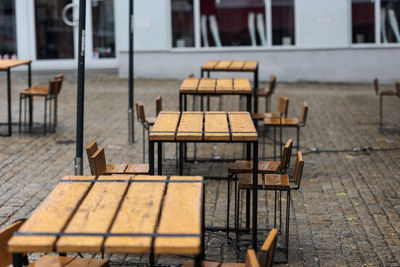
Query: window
[[103, 29], [363, 19], [369, 16], [182, 23], [227, 23], [8, 40]]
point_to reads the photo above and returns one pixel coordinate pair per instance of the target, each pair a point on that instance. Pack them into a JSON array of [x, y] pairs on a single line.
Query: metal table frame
[[8, 70], [182, 143], [255, 81]]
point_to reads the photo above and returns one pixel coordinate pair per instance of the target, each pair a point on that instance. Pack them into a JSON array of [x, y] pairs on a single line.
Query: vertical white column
[[377, 21], [268, 13], [196, 11]]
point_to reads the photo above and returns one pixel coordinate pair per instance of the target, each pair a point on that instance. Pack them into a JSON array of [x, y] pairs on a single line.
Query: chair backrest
[[304, 113], [55, 86], [376, 85], [59, 76], [266, 254], [287, 153], [91, 149], [5, 235], [251, 259], [298, 168], [99, 161], [272, 84], [283, 105], [158, 104], [140, 112], [397, 86]]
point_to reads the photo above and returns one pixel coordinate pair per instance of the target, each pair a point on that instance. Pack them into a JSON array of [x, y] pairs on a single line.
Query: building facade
[[312, 40]]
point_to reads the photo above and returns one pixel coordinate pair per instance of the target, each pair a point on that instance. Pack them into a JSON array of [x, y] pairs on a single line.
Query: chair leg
[[55, 112], [144, 146], [237, 217], [20, 114], [50, 114], [380, 112], [30, 113], [25, 110], [298, 139], [275, 210], [287, 224], [45, 116], [229, 204]]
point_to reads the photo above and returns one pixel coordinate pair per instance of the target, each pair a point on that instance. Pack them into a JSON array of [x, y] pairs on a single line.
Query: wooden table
[[213, 87], [117, 214], [234, 66], [7, 65], [206, 127]]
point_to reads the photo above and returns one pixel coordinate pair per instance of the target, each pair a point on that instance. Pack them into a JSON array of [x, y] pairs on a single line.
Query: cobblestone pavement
[[346, 213]]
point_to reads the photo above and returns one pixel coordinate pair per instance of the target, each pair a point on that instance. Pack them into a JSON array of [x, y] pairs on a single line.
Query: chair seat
[[272, 121], [263, 92], [387, 92], [261, 116], [290, 122], [58, 261], [115, 168], [190, 263], [36, 91], [246, 166], [265, 181], [150, 121], [137, 169]]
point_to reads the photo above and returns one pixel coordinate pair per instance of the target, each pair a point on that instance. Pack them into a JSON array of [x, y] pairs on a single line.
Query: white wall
[[325, 65]]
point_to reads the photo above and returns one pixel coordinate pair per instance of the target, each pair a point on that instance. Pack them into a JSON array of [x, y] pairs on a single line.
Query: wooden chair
[[267, 92], [381, 94], [50, 94], [264, 167], [265, 255], [297, 123], [96, 163], [146, 124], [277, 183], [6, 257], [283, 107]]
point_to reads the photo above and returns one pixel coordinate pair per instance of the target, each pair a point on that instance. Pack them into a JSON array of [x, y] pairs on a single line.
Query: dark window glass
[[8, 41], [283, 22], [54, 39], [390, 15], [182, 23], [363, 20], [232, 23], [103, 29]]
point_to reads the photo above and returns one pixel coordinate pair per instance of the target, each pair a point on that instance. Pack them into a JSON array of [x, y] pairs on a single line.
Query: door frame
[[26, 40]]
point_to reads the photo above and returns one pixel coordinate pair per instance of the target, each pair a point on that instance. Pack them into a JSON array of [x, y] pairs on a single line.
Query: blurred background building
[[316, 40]]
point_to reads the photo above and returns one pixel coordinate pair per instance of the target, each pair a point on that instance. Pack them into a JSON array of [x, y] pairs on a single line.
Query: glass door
[[56, 33]]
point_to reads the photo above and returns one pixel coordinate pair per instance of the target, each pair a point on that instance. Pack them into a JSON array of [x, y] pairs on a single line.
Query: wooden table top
[[240, 86], [6, 64], [117, 214], [229, 65], [204, 126]]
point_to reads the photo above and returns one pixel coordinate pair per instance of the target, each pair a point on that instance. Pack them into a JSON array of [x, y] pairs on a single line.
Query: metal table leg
[[255, 193], [9, 101], [159, 157], [255, 90], [151, 157], [17, 260]]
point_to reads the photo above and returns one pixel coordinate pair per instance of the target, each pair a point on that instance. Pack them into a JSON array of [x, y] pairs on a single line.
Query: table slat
[[216, 127], [224, 86], [138, 214], [94, 215], [250, 65], [181, 214], [237, 65], [165, 126], [223, 65], [242, 86], [242, 127], [207, 86], [51, 216], [189, 85], [209, 65], [190, 126]]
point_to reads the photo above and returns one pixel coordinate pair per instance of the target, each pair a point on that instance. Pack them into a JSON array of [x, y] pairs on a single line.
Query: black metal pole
[[131, 124], [81, 88]]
